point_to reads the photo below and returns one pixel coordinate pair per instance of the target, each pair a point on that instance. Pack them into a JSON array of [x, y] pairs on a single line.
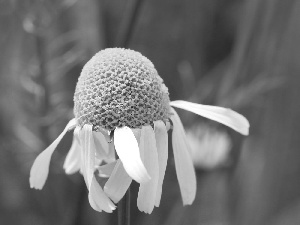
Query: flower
[[122, 107], [210, 147]]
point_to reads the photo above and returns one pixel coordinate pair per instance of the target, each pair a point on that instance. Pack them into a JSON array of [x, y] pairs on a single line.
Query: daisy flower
[[210, 148], [122, 117]]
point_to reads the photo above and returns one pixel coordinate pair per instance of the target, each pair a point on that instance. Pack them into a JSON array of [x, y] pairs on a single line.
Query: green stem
[[124, 209]]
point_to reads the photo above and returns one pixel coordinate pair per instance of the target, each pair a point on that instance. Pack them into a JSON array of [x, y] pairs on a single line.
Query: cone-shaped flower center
[[120, 87]]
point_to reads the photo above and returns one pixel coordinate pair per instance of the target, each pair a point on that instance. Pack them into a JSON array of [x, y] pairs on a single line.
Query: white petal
[[98, 199], [118, 183], [128, 151], [183, 162], [147, 192], [161, 137], [40, 168], [88, 149], [111, 156], [137, 134], [73, 160], [225, 116], [101, 144], [107, 169]]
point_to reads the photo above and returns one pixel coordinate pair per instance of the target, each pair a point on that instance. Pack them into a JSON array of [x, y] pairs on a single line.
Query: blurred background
[[242, 54]]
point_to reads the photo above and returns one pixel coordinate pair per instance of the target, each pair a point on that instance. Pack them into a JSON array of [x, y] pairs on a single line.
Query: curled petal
[[73, 160], [225, 116], [107, 169], [98, 199], [104, 150], [147, 191], [100, 143], [161, 137], [40, 168], [111, 156], [128, 151], [183, 163], [118, 183]]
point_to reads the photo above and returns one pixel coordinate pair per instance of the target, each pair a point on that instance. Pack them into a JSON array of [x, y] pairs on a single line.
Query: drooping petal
[[137, 134], [118, 183], [111, 156], [147, 191], [225, 116], [88, 149], [98, 199], [73, 160], [105, 150], [107, 169], [161, 137], [128, 151], [40, 168], [101, 144], [183, 162]]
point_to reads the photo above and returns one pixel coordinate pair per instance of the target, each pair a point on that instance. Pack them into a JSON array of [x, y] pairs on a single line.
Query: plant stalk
[[124, 209]]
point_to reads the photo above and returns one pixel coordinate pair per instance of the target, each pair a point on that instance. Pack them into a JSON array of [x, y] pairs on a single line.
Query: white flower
[[209, 147], [120, 97]]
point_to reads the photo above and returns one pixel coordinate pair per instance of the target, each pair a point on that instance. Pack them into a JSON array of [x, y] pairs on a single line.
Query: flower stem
[[124, 209]]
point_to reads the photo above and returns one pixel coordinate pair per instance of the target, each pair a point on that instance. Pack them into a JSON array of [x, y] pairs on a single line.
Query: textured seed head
[[120, 87]]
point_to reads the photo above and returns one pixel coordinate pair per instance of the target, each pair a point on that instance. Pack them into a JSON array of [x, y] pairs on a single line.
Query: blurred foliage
[[238, 54]]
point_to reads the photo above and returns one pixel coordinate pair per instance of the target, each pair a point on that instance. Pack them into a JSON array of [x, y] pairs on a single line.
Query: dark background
[[240, 54]]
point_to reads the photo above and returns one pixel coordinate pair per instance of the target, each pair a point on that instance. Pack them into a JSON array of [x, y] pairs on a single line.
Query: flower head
[[120, 87], [122, 107]]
